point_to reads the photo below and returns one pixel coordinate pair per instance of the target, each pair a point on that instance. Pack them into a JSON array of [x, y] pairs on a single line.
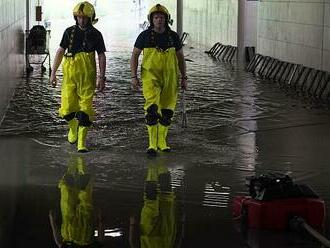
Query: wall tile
[[295, 31]]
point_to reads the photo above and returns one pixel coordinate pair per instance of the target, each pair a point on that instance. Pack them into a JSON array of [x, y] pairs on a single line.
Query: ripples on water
[[223, 104], [217, 96], [228, 113]]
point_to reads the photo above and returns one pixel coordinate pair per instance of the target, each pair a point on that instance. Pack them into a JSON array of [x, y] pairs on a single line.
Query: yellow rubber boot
[[152, 132], [162, 134], [73, 131], [82, 133]]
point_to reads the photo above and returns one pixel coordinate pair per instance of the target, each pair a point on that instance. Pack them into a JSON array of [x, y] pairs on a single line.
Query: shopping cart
[[37, 44]]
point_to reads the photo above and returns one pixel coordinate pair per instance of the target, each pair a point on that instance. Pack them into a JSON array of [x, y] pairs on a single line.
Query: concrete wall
[[12, 62], [211, 21], [12, 25], [207, 21], [295, 31]]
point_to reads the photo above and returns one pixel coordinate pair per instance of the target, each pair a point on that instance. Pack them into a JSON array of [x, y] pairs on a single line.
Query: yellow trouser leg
[[162, 134], [152, 132], [73, 131], [82, 133]]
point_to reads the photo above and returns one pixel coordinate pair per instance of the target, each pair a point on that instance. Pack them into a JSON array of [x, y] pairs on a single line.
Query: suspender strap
[[170, 42], [70, 53]]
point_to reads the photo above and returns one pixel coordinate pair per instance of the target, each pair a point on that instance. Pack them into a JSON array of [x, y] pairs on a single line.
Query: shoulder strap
[[170, 39], [152, 38], [72, 33]]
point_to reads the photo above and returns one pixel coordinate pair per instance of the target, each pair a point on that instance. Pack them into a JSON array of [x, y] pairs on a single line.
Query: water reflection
[[158, 224], [255, 238], [75, 224]]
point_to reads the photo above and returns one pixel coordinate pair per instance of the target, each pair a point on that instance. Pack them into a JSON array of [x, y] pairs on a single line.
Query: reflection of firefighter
[[162, 60], [158, 219], [77, 211], [79, 72]]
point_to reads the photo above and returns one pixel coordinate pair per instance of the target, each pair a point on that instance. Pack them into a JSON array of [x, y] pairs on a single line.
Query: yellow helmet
[[159, 8], [85, 9]]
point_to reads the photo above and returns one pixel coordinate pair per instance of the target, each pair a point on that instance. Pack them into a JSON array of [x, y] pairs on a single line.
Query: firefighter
[[157, 223], [78, 47], [163, 61], [78, 219]]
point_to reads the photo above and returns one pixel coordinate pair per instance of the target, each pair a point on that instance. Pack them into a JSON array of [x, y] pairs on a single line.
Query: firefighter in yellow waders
[[163, 62], [78, 47], [158, 222], [78, 216]]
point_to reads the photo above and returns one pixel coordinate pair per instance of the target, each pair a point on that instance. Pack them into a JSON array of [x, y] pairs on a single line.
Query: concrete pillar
[[241, 32], [179, 17]]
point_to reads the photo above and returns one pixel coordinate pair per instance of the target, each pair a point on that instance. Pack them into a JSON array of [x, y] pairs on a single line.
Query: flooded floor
[[238, 126]]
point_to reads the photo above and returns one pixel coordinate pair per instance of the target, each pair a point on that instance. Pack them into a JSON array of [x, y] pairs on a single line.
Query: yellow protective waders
[[152, 132], [82, 133], [78, 86], [158, 222], [159, 75], [76, 205], [158, 217], [162, 134], [73, 131]]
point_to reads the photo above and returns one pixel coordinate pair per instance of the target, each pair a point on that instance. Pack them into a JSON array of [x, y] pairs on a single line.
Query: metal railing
[[222, 52], [305, 81]]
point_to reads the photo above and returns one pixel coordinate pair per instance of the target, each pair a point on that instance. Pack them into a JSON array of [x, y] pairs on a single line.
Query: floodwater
[[238, 126]]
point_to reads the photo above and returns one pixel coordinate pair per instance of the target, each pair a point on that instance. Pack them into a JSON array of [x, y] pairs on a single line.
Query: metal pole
[[241, 32], [323, 38], [183, 109], [179, 17], [27, 28]]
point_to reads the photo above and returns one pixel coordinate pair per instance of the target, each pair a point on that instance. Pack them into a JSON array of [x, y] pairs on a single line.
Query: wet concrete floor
[[238, 126]]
